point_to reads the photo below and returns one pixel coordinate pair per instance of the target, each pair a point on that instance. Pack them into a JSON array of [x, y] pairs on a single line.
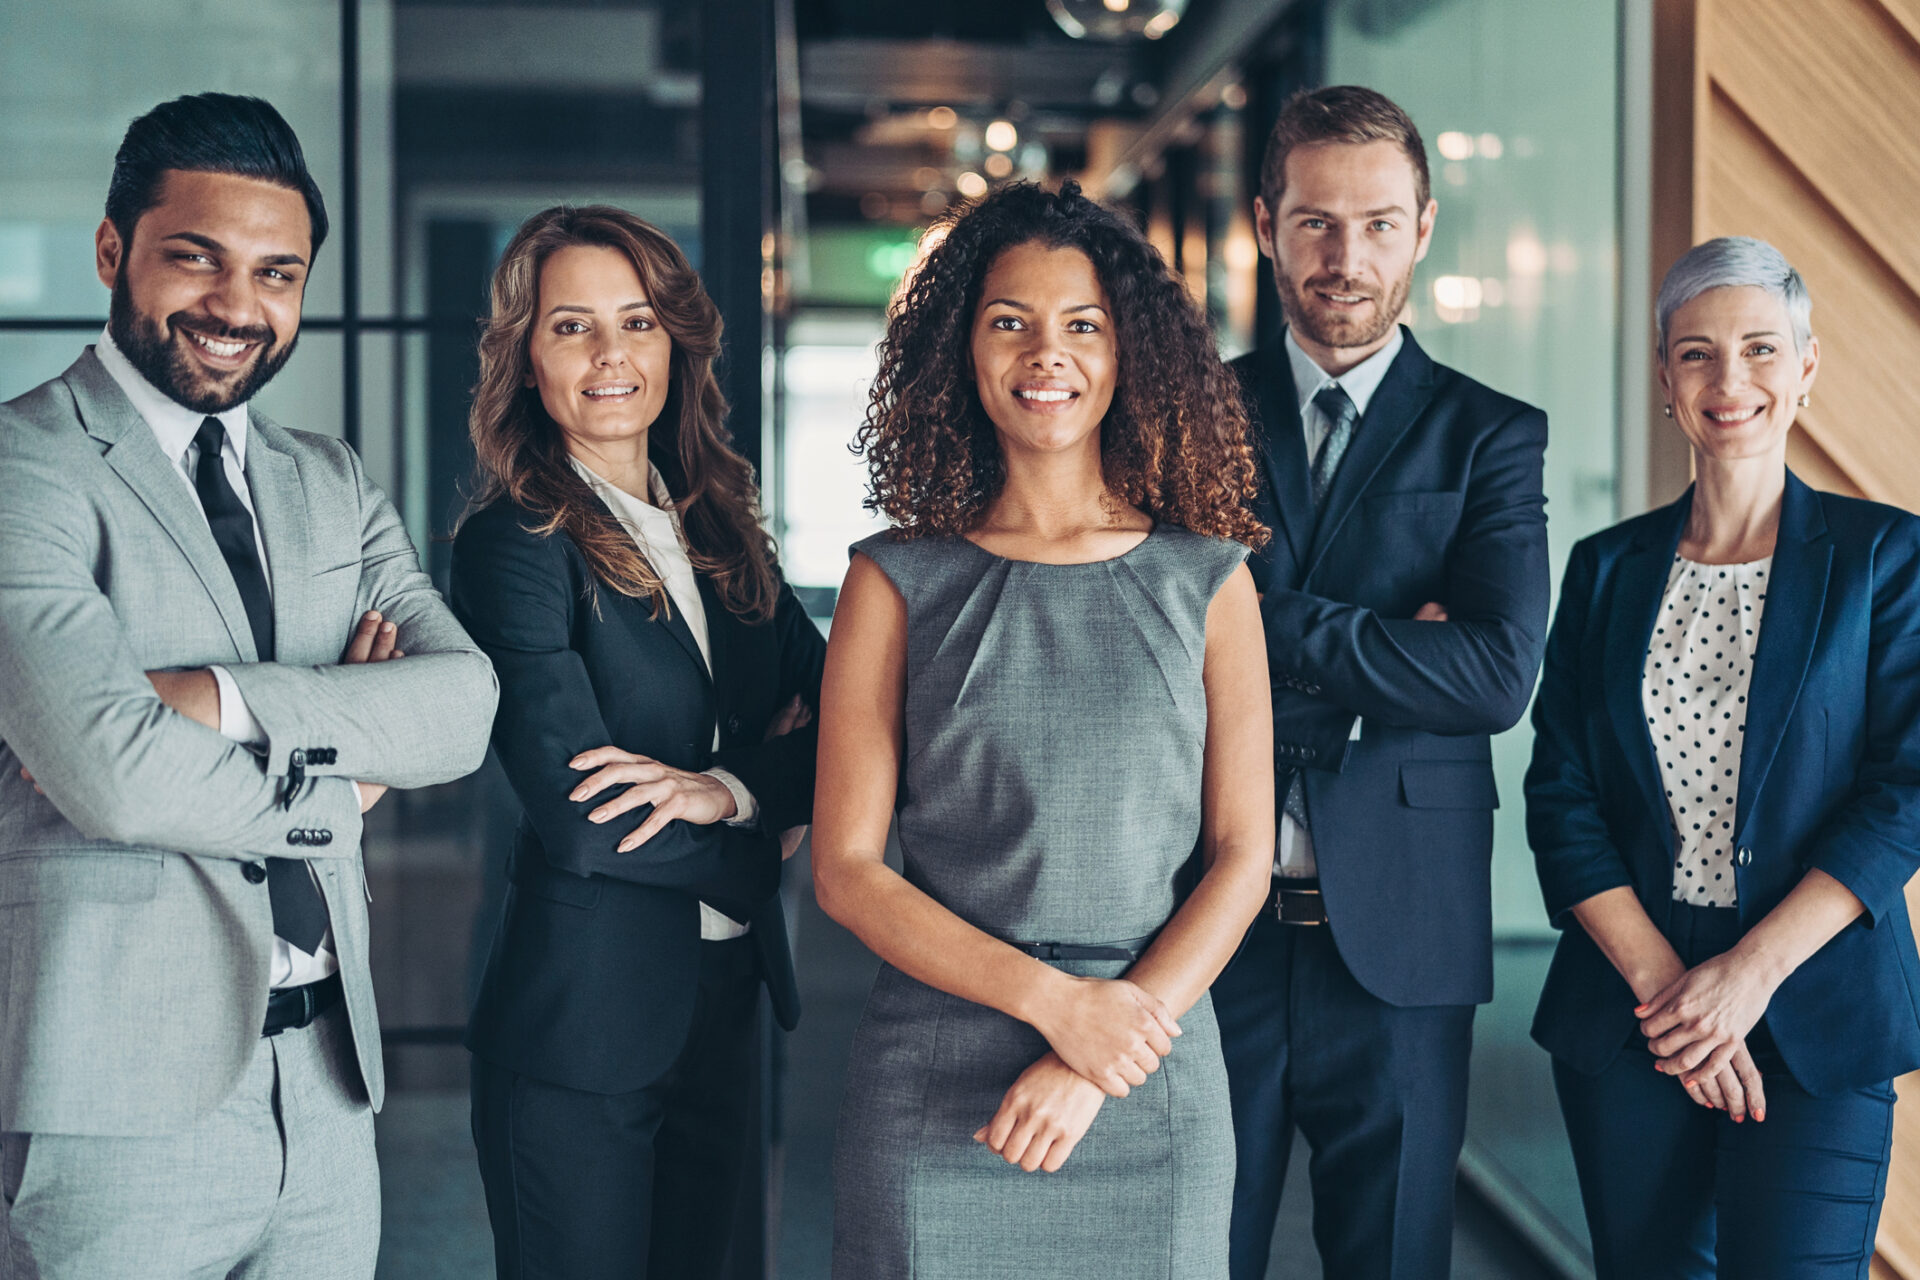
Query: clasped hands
[[1696, 1026], [1108, 1035]]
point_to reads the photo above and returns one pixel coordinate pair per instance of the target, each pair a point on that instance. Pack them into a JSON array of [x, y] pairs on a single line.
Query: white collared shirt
[[655, 529], [1293, 848], [174, 427]]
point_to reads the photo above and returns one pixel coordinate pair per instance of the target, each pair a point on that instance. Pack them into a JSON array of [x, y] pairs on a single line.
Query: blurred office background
[[798, 149]]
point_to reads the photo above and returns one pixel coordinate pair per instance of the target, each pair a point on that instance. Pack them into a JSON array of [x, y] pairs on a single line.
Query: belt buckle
[[1308, 908]]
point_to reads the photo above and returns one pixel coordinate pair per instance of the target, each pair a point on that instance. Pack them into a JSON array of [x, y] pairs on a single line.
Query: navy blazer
[[591, 978], [1438, 498], [1829, 778]]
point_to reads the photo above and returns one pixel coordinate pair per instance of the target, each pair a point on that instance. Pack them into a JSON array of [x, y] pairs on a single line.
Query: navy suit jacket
[[1438, 498], [591, 978], [1829, 778]]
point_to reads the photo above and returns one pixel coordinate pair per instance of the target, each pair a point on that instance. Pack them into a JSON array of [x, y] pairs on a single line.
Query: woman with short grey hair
[[1724, 805]]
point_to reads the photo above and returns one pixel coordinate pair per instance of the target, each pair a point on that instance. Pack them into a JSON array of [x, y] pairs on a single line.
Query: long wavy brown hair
[[1174, 443], [522, 456]]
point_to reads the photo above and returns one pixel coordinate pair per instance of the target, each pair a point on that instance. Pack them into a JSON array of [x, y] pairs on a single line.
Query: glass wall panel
[[1518, 290], [72, 76], [827, 367], [29, 357]]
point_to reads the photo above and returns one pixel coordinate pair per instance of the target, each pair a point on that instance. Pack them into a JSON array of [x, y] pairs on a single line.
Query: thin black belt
[[1297, 901], [1074, 951], [290, 1008]]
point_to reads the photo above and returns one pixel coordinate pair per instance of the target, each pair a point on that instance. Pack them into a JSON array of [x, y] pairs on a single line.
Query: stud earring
[[1805, 401], [1667, 409]]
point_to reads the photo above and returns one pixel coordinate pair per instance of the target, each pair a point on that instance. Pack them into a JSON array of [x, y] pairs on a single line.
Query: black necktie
[[299, 915]]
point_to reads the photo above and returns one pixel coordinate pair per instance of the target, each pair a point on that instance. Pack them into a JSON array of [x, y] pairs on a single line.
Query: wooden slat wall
[[1793, 120]]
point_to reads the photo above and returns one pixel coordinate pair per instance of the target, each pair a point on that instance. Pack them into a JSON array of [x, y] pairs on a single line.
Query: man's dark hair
[[208, 133], [1346, 113]]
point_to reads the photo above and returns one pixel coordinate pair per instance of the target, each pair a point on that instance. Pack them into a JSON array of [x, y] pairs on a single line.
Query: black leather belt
[[1073, 951], [290, 1008], [1298, 901]]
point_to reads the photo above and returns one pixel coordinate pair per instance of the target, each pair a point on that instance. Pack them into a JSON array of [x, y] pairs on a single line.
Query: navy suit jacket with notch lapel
[[591, 978], [1438, 498], [1829, 778]]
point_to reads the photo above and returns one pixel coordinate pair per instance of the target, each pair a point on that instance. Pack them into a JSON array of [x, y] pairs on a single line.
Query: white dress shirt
[[174, 427], [655, 529], [1293, 848]]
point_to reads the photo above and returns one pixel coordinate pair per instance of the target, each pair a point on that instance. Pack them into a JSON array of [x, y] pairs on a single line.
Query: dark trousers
[[628, 1186], [1675, 1191], [1379, 1091]]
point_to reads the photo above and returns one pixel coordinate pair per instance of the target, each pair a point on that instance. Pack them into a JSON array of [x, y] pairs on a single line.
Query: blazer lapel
[[1796, 599], [280, 505], [640, 614], [131, 449], [1282, 445], [1400, 399], [1640, 580]]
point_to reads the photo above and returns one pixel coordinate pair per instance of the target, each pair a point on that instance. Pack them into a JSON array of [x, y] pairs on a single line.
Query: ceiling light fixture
[[1116, 19]]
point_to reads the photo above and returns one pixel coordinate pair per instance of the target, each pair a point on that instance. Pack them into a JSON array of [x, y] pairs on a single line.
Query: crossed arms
[[1469, 674], [77, 708]]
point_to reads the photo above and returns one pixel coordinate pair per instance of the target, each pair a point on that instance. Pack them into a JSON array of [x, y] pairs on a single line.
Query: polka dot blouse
[[1693, 690]]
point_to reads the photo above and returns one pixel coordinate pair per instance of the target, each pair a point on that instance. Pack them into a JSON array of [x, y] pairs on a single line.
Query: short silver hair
[[1733, 261]]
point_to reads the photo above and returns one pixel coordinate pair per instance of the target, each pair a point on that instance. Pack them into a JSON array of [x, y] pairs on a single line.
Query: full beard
[[160, 360], [1330, 329]]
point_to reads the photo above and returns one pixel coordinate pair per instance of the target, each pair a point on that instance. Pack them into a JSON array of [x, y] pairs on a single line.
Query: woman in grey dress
[[1052, 670]]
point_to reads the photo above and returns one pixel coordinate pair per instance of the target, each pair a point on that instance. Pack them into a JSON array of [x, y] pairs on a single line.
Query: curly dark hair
[[1173, 443]]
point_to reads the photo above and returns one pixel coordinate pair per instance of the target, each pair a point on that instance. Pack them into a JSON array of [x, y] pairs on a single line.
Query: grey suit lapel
[[129, 447], [280, 505]]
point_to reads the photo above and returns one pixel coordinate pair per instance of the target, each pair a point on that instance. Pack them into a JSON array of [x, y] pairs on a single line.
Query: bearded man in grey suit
[[199, 612]]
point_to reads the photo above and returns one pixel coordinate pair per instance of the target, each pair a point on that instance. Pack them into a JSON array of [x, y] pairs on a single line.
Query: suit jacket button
[[296, 836], [733, 724], [299, 757], [1313, 688], [1308, 753], [1744, 857], [325, 836], [254, 872]]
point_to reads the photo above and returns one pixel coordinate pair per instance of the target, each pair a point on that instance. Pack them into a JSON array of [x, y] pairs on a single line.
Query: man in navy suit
[[1405, 601]]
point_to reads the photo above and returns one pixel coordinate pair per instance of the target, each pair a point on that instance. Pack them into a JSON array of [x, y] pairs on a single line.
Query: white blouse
[[655, 529], [1693, 690]]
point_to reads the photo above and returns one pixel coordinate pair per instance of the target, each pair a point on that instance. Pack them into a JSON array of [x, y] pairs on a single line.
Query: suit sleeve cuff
[[1566, 887], [237, 721], [746, 808]]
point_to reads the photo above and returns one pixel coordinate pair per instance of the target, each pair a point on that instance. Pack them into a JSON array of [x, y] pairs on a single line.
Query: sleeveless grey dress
[[1050, 792]]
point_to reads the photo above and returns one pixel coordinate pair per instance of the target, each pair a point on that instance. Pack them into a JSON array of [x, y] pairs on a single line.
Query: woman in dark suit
[[653, 670], [1724, 803]]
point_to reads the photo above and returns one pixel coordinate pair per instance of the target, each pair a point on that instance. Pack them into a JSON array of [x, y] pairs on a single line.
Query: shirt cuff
[[746, 808], [237, 722]]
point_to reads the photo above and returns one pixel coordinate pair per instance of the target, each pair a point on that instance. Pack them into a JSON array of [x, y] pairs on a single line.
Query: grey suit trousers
[[279, 1182]]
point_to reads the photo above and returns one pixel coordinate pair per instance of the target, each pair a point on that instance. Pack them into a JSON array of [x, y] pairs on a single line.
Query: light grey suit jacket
[[134, 949]]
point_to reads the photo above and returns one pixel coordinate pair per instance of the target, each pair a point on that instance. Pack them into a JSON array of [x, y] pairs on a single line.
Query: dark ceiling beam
[[848, 73], [1210, 47]]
